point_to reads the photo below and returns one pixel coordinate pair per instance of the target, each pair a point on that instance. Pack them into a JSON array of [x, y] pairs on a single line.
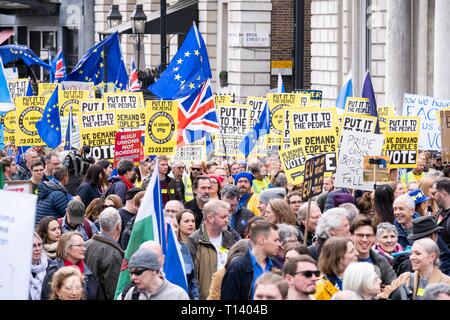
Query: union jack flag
[[134, 85], [59, 66], [197, 115]]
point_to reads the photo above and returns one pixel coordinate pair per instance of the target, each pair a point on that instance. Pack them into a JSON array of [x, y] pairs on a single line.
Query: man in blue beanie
[[248, 199]]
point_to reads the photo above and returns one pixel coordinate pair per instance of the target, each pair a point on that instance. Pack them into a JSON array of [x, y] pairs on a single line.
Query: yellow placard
[[8, 120], [315, 130], [29, 110], [161, 119], [293, 162], [278, 103], [383, 113], [357, 106], [358, 123], [224, 99], [71, 98], [18, 87], [128, 107], [98, 131], [401, 141], [314, 98], [46, 89]]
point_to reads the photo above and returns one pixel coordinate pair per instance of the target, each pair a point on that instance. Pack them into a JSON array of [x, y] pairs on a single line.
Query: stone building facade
[[404, 44]]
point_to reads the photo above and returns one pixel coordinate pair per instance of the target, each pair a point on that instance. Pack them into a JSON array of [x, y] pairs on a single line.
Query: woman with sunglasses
[[70, 252], [336, 255], [50, 232]]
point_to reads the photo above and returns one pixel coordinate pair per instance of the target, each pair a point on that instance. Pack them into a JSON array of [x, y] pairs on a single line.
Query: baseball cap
[[75, 210]]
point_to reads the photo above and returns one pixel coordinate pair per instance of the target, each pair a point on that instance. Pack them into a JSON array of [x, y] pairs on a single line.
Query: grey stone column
[[398, 48], [442, 50]]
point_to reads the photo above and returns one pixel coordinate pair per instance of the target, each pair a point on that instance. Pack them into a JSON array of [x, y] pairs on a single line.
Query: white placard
[[17, 214], [354, 146], [427, 109]]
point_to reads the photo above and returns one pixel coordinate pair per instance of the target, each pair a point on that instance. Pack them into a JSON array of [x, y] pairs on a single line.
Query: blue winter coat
[[52, 200]]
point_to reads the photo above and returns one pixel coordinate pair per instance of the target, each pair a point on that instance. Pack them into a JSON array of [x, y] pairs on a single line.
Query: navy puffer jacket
[[52, 200]]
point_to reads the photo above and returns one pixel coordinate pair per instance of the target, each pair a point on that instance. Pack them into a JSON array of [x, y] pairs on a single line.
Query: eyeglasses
[[81, 245], [309, 273], [196, 169], [362, 236], [137, 272], [170, 211]]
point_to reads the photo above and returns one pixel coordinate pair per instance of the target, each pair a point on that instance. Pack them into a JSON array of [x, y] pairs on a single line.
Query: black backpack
[[134, 295]]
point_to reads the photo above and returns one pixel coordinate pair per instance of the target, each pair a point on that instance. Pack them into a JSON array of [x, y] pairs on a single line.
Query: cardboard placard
[[445, 134], [314, 172], [356, 145]]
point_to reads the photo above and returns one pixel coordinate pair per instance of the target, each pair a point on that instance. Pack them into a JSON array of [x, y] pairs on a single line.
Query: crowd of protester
[[243, 230]]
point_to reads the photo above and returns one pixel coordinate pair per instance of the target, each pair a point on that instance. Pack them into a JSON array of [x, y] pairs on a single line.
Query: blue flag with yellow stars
[[261, 128], [103, 63], [187, 70], [49, 127], [13, 52]]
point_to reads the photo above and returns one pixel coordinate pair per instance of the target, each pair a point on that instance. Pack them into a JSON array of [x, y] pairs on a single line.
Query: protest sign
[[128, 107], [357, 106], [17, 215], [314, 98], [426, 108], [8, 120], [195, 151], [18, 88], [161, 127], [29, 110], [46, 89], [222, 99], [92, 105], [77, 85], [355, 145], [445, 134], [383, 113], [234, 123], [11, 73], [98, 131], [278, 103], [128, 147], [314, 129], [293, 162], [256, 106], [358, 123], [314, 172], [402, 141], [22, 186], [71, 99]]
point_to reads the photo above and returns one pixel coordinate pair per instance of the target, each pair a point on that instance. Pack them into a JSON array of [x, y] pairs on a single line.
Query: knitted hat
[[341, 198]]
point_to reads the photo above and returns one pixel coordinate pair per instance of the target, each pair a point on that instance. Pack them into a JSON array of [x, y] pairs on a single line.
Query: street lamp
[[114, 16], [138, 20]]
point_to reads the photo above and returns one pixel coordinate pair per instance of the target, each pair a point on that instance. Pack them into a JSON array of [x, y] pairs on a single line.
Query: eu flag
[[49, 127], [15, 52], [261, 128], [102, 63], [368, 92], [187, 71]]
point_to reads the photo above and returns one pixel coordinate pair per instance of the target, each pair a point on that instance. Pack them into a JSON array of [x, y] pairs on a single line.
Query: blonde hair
[[65, 242], [430, 247], [61, 276]]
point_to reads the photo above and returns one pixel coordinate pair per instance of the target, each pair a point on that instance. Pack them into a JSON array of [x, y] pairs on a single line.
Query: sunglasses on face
[[196, 169], [137, 272], [309, 273]]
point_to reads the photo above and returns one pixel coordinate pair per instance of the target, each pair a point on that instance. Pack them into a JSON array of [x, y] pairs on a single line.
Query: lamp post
[[138, 20], [114, 16]]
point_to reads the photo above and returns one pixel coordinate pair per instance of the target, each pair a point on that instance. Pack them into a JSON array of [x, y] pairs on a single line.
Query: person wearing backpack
[[74, 220], [119, 185]]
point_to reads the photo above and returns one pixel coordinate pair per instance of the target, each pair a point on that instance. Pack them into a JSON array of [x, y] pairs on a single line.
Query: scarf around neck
[[39, 271], [50, 249], [127, 182], [80, 265]]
